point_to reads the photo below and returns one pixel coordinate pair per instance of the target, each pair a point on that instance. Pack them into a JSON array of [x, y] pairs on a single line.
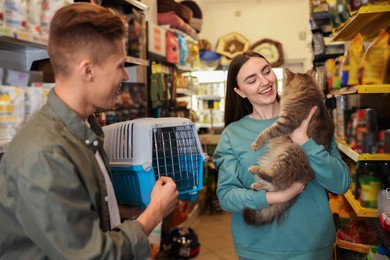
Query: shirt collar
[[92, 136]]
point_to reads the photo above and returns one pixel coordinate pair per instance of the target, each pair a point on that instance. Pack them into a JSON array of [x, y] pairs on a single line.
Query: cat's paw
[[255, 147], [253, 169], [257, 186]]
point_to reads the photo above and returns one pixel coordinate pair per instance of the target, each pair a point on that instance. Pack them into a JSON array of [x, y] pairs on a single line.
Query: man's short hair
[[83, 28]]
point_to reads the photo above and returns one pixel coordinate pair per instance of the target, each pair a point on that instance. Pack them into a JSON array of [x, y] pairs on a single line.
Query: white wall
[[280, 20]]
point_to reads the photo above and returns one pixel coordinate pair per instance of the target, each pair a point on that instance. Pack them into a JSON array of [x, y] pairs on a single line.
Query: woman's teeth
[[266, 90]]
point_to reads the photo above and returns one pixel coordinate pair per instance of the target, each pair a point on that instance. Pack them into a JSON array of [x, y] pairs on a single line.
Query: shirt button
[[87, 141], [95, 143], [106, 198]]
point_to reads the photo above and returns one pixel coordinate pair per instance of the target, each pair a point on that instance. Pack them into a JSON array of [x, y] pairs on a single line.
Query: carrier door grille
[[176, 154]]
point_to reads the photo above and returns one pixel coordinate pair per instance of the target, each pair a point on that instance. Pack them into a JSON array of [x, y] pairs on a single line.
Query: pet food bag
[[374, 68]]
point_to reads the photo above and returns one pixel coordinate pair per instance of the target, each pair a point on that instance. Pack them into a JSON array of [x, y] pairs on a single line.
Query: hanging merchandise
[[193, 55], [183, 49], [157, 88], [375, 65], [172, 46]]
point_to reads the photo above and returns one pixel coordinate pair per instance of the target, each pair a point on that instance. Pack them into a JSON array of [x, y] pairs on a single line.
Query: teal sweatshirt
[[307, 231]]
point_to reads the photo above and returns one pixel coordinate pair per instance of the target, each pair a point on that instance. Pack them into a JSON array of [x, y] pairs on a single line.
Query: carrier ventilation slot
[[122, 142]]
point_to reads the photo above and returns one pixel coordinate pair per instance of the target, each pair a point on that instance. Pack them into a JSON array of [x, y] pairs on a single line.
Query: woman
[[307, 231]]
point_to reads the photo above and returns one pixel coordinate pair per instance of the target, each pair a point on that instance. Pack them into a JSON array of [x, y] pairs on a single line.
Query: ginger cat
[[286, 162]]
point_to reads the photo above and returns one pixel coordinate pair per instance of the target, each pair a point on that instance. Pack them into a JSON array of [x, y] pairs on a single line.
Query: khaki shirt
[[53, 194]]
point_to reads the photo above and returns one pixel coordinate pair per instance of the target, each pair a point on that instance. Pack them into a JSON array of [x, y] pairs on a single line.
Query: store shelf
[[368, 20], [137, 61], [203, 97], [361, 89], [343, 91], [374, 89], [353, 246], [354, 155], [320, 59], [359, 210], [15, 40]]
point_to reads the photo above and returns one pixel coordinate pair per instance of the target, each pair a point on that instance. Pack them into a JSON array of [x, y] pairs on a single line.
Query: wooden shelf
[[359, 210], [374, 89], [353, 246], [354, 155], [343, 91], [368, 20], [362, 89]]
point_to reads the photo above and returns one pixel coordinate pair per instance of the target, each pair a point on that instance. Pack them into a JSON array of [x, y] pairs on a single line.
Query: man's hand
[[163, 200]]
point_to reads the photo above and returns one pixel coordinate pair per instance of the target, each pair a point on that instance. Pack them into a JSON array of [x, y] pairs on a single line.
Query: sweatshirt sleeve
[[232, 194], [330, 170]]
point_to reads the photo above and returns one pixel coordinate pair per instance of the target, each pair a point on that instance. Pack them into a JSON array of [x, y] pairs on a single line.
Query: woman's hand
[[299, 135], [275, 197]]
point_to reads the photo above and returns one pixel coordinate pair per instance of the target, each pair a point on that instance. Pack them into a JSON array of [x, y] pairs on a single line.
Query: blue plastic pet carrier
[[142, 150]]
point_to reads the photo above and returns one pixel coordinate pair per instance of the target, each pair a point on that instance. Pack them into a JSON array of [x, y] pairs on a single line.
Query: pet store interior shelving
[[24, 54], [209, 100], [368, 21]]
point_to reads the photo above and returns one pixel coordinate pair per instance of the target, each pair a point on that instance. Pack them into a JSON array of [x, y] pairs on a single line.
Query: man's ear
[[239, 92], [86, 70]]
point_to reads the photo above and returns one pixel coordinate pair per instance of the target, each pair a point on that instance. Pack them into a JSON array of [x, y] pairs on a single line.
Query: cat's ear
[[289, 74], [310, 73]]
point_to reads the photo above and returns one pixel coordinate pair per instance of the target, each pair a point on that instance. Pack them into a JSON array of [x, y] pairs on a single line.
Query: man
[[56, 197]]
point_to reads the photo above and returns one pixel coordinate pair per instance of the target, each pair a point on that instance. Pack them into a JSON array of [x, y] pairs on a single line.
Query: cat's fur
[[285, 162]]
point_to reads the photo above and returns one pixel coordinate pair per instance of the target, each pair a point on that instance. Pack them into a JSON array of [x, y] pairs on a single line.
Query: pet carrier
[[142, 150]]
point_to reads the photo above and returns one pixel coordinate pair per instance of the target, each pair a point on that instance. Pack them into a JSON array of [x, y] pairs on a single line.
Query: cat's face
[[297, 83]]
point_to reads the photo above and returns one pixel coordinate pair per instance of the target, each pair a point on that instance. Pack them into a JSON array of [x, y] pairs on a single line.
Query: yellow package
[[330, 68], [355, 53], [374, 65]]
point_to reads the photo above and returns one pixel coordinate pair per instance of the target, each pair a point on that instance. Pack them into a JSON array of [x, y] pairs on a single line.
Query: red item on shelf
[[385, 221]]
